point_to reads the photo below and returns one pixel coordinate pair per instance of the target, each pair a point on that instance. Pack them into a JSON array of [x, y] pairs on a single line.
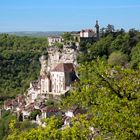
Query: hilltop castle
[[57, 74], [88, 35]]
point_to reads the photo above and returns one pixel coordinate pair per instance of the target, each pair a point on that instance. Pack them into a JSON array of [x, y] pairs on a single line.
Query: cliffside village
[[57, 75]]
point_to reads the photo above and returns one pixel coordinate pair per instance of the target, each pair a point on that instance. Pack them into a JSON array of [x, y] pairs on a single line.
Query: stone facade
[[53, 40], [66, 55], [90, 34], [56, 75], [87, 33]]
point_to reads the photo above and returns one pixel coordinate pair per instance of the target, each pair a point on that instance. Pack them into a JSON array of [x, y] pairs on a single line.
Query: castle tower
[[97, 30], [54, 55], [43, 62]]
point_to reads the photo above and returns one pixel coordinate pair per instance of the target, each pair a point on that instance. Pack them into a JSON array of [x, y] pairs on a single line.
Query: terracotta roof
[[30, 107], [12, 102], [8, 103], [64, 67]]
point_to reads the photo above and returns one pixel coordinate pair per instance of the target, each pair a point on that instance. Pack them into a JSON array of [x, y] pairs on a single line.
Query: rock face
[[66, 55], [57, 75]]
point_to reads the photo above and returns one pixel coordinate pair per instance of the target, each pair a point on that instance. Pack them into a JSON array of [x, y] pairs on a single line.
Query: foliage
[[67, 36], [100, 48], [112, 96], [26, 125], [34, 114], [79, 130], [49, 102], [109, 93], [59, 45], [135, 56], [117, 58], [18, 63], [4, 123], [114, 41], [49, 132]]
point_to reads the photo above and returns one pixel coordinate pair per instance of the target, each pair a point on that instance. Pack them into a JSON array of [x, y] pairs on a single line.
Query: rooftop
[[87, 30], [64, 67]]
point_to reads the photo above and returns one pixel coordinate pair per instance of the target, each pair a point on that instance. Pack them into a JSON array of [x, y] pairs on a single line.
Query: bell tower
[[97, 30]]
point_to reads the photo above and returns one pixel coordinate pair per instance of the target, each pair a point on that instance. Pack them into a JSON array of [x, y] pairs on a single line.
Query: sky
[[67, 15]]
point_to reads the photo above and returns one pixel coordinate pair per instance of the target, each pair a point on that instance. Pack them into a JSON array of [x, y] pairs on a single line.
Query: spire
[[97, 24], [97, 30]]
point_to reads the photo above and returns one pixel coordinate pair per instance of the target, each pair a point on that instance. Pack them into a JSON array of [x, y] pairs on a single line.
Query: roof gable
[[64, 67]]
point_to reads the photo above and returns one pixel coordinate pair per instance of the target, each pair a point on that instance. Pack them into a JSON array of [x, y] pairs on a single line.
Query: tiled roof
[[12, 102], [30, 107], [8, 103], [64, 67]]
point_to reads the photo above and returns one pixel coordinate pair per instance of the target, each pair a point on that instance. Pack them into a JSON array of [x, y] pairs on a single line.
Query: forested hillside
[[118, 48], [111, 97], [19, 63], [108, 89]]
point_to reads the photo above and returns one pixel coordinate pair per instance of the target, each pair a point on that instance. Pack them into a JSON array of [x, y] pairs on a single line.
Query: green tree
[[19, 63], [135, 56], [100, 48], [110, 28], [67, 36], [118, 58], [111, 95], [34, 114]]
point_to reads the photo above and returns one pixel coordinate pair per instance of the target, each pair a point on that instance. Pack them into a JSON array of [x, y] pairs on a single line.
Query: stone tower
[[97, 30], [54, 55], [66, 55]]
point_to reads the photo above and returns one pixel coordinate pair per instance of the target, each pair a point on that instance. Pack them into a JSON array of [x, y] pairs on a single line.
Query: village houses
[[57, 74]]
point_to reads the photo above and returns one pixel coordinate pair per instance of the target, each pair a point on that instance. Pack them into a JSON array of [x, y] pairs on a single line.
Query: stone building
[[62, 76], [56, 75], [66, 55], [87, 33], [54, 39], [90, 35]]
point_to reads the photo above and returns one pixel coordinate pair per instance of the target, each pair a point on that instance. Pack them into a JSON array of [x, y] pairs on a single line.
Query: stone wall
[[66, 55]]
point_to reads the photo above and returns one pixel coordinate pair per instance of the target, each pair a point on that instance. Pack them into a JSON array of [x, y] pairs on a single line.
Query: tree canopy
[[19, 63]]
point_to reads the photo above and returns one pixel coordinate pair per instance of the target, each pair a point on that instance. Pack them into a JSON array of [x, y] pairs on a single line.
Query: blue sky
[[67, 15]]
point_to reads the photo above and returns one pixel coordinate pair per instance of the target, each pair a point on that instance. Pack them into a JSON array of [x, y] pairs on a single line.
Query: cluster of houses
[[24, 110]]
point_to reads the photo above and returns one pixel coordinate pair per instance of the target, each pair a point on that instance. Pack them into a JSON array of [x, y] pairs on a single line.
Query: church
[[56, 74]]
